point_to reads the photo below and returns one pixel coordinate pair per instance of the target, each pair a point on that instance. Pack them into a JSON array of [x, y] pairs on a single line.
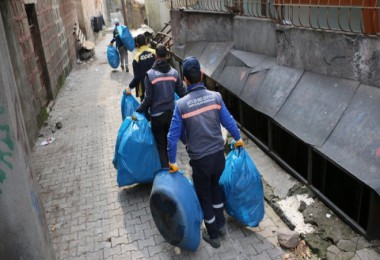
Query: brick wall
[[39, 94], [69, 19], [55, 19]]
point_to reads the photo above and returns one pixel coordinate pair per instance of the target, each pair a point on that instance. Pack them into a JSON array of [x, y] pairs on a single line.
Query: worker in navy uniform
[[161, 82], [201, 113], [143, 61]]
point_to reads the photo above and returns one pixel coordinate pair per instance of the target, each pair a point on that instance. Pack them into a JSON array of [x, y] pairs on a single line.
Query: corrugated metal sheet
[[315, 106], [355, 142], [275, 89]]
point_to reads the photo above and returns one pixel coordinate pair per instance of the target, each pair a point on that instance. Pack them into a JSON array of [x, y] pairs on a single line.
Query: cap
[[116, 21], [189, 65]]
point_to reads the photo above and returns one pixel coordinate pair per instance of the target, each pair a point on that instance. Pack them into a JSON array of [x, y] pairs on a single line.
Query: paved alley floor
[[89, 216]]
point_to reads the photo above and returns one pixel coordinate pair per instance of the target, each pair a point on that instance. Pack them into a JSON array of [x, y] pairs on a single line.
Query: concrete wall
[[336, 54], [87, 10], [194, 26], [341, 55], [23, 230], [157, 13], [135, 10], [136, 14], [255, 35]]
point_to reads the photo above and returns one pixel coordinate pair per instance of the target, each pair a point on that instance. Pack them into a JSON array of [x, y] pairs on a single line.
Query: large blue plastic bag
[[120, 134], [243, 188], [138, 158], [176, 210], [126, 37], [113, 57], [129, 104]]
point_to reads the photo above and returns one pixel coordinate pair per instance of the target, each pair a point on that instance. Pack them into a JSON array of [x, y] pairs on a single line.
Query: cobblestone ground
[[89, 217]]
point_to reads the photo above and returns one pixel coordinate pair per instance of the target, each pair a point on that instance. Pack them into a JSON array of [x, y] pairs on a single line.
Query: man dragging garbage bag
[[201, 112]]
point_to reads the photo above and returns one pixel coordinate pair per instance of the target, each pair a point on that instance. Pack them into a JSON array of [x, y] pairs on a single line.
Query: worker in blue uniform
[[201, 113], [161, 82]]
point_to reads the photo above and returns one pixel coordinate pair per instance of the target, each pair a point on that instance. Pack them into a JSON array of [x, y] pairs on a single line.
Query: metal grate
[[353, 16]]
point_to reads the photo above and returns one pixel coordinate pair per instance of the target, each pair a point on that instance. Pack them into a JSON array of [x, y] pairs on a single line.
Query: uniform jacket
[[116, 38], [201, 112], [161, 82], [142, 62]]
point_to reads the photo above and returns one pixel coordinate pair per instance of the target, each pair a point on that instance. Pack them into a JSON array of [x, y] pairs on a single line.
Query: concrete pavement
[[88, 215]]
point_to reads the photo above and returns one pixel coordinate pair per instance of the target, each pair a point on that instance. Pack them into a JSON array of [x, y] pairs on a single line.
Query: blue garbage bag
[[243, 188], [129, 104], [137, 159], [113, 57], [176, 210], [120, 134], [126, 37]]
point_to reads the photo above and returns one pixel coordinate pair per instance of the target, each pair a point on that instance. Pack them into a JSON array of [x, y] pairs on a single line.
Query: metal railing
[[353, 16]]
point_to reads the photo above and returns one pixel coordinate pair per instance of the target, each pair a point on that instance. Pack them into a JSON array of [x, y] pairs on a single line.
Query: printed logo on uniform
[[146, 56]]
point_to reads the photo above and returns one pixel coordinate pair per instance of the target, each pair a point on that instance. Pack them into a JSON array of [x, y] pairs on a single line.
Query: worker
[[161, 82], [201, 113], [143, 61]]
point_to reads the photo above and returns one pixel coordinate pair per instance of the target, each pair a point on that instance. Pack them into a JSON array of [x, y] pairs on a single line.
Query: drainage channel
[[348, 197]]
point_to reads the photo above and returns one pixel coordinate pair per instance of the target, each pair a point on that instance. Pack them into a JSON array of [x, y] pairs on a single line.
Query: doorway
[[42, 71]]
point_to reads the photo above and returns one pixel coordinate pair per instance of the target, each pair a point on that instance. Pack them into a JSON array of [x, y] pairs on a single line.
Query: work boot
[[223, 231], [127, 69], [122, 66], [214, 242]]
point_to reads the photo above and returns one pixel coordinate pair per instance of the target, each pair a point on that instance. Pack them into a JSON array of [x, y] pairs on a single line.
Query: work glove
[[239, 143], [134, 118], [173, 167], [128, 91]]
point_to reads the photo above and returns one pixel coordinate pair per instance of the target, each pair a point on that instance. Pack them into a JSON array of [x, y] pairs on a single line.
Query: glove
[[173, 167], [239, 143], [128, 91]]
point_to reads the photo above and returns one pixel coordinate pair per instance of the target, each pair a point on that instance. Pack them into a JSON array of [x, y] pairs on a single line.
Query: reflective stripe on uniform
[[218, 206], [201, 110], [210, 221], [164, 79]]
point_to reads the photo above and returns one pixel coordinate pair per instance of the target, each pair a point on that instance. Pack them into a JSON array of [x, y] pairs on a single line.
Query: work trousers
[[206, 175], [160, 129], [123, 52]]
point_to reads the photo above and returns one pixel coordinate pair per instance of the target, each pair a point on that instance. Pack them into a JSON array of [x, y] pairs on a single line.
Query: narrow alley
[[88, 216]]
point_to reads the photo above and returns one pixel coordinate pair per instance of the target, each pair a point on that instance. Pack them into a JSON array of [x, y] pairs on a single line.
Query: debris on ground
[[48, 141], [288, 238], [58, 125], [290, 207], [302, 251]]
